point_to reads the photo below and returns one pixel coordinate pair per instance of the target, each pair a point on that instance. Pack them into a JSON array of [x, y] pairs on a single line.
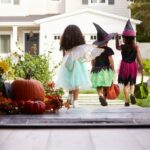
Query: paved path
[[75, 139], [114, 115], [40, 131], [92, 100]]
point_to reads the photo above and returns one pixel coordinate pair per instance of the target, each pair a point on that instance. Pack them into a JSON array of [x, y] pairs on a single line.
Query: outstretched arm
[[117, 42], [111, 61], [93, 63], [139, 59]]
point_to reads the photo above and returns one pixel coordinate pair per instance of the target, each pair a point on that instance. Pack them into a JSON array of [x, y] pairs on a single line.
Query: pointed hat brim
[[109, 37]]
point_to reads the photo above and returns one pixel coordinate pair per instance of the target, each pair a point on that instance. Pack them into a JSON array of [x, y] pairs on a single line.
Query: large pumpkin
[[34, 107], [24, 89]]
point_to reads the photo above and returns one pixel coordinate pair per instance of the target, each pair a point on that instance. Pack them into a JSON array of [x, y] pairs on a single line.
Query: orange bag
[[113, 91]]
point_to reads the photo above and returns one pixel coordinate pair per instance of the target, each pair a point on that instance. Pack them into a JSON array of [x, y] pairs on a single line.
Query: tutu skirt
[[127, 73], [103, 78], [73, 73]]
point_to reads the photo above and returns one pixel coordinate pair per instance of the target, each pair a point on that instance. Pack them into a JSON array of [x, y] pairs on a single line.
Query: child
[[128, 67], [102, 73], [73, 73]]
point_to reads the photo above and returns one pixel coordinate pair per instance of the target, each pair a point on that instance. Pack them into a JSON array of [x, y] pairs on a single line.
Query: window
[[4, 43], [16, 2], [97, 1], [111, 2], [93, 37], [12, 2], [5, 1], [56, 37], [85, 2]]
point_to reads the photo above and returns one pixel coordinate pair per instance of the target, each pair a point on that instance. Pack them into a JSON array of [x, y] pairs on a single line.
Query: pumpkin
[[23, 89], [34, 107], [113, 91]]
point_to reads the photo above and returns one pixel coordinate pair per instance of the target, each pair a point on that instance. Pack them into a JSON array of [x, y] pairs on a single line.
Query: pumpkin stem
[[28, 74]]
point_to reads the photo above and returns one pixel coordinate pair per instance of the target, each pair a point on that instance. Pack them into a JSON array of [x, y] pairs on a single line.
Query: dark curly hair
[[71, 37]]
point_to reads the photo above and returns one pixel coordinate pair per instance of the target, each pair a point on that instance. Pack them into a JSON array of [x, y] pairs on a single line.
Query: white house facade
[[51, 28], [37, 25]]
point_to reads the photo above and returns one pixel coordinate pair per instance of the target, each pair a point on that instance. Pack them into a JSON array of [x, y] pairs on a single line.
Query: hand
[[142, 71], [116, 35]]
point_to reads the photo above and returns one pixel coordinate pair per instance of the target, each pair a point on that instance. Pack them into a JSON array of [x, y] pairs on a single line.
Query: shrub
[[38, 65], [146, 64]]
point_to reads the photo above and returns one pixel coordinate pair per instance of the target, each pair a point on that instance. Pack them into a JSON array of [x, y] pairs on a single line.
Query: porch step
[[92, 99]]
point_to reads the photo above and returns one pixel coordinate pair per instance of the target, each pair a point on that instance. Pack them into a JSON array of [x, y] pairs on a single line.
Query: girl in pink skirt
[[128, 67]]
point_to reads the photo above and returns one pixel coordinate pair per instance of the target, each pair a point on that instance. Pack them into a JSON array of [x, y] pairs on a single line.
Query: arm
[[63, 53], [111, 61], [139, 59], [117, 42], [93, 63]]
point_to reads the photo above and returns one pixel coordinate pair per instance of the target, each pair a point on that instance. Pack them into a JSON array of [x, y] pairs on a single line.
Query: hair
[[71, 37], [130, 41]]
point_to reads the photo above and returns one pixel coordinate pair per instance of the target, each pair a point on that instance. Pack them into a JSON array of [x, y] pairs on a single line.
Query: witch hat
[[128, 30], [102, 36]]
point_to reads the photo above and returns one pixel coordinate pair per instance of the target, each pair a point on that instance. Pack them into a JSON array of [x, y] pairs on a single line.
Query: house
[[37, 25]]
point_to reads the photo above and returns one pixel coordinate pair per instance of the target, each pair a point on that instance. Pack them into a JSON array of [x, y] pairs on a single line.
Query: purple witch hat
[[128, 30], [102, 36]]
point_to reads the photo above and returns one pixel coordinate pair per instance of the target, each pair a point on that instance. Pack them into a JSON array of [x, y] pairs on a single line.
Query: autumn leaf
[[67, 105]]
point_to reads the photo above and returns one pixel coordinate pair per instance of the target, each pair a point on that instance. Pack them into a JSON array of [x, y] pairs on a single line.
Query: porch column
[[14, 38]]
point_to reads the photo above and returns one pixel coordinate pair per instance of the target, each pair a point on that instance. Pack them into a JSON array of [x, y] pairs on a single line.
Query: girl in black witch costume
[[102, 72]]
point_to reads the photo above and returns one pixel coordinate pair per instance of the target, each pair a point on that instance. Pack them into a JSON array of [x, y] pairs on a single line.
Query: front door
[[32, 43]]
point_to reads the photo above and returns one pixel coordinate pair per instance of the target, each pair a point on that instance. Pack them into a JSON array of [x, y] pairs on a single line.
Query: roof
[[11, 20], [89, 10]]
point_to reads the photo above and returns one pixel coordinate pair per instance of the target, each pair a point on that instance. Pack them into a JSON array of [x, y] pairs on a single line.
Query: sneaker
[[103, 101], [132, 99], [75, 104], [126, 104]]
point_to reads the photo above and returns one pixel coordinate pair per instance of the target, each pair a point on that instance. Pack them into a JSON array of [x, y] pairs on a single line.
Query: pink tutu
[[127, 73]]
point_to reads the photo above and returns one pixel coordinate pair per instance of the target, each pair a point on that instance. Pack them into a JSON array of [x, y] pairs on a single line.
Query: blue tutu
[[73, 73]]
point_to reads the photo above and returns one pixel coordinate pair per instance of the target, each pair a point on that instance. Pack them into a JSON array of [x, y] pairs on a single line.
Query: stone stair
[[92, 99]]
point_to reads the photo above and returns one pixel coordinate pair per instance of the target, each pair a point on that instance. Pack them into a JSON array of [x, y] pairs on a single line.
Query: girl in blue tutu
[[102, 72], [73, 74], [128, 67]]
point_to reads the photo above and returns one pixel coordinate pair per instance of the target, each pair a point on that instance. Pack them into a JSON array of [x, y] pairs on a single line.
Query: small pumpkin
[[34, 107], [25, 89]]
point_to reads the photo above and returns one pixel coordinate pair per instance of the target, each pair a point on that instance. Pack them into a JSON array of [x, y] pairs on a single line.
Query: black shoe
[[103, 101], [126, 104], [132, 99]]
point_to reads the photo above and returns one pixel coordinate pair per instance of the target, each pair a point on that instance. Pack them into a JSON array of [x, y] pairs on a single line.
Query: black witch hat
[[102, 36]]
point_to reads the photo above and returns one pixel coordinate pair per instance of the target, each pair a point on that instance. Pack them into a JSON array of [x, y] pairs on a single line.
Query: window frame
[[7, 33], [12, 2]]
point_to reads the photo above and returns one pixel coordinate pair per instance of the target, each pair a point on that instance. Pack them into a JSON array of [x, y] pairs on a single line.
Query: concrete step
[[92, 99]]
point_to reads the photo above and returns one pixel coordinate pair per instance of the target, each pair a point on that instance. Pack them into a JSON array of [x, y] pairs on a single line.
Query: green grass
[[91, 91], [140, 102]]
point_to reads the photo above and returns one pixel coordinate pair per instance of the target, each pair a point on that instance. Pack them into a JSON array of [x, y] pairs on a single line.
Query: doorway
[[32, 43]]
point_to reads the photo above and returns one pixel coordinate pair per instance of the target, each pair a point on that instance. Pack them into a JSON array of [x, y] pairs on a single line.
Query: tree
[[141, 10]]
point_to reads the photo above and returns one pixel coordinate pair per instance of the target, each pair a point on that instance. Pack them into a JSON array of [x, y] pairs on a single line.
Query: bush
[[146, 64], [38, 65]]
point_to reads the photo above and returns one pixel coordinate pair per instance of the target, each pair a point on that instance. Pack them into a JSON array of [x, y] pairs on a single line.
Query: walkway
[[89, 114], [89, 127]]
